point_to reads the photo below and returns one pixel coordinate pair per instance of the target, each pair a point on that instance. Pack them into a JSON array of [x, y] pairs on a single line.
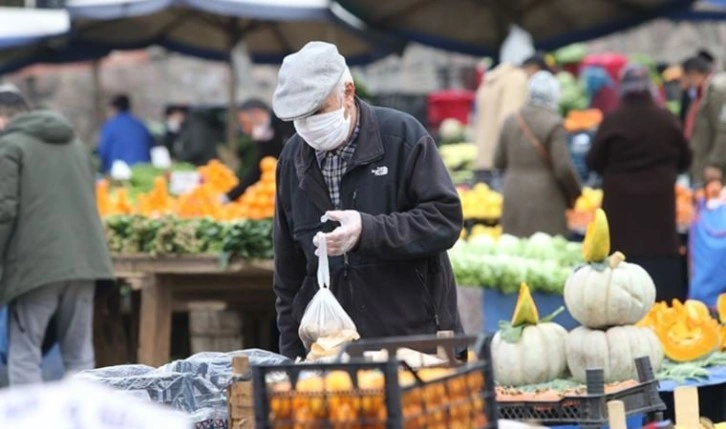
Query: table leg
[[155, 324]]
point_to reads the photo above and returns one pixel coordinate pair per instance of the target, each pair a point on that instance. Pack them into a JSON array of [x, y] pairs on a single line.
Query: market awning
[[207, 29], [704, 10], [270, 29], [479, 27], [21, 26]]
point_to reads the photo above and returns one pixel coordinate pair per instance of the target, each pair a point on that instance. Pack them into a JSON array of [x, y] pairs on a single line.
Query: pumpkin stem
[[615, 259]]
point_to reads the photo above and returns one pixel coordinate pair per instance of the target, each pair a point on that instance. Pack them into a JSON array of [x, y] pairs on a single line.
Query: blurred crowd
[[653, 125]]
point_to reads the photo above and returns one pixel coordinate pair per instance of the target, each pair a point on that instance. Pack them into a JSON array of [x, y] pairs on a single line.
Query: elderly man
[[377, 175]]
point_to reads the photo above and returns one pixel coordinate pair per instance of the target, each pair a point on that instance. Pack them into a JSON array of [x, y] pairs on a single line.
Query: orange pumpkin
[[682, 343], [686, 330], [721, 307]]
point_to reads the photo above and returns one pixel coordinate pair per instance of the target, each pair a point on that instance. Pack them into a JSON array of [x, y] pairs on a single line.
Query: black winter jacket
[[398, 281]]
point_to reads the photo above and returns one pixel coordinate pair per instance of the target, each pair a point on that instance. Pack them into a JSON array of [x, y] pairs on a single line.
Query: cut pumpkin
[[697, 312], [525, 312], [721, 307], [682, 343], [596, 246]]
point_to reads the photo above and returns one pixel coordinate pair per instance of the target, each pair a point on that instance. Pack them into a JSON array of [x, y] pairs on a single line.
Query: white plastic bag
[[324, 317]]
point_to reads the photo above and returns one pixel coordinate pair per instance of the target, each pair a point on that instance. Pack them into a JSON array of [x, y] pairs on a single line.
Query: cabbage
[[543, 261]]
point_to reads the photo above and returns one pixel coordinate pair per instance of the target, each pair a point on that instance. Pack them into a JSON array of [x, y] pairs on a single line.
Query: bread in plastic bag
[[324, 317]]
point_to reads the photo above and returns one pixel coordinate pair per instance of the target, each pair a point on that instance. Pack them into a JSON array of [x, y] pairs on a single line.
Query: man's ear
[[349, 91]]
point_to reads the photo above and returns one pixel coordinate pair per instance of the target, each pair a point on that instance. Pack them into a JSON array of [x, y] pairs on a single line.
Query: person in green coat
[[52, 245]]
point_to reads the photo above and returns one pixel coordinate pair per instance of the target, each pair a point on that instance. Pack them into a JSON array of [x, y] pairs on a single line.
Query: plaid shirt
[[333, 164]]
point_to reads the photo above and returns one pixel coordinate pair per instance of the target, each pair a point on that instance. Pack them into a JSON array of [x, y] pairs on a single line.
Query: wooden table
[[167, 281]]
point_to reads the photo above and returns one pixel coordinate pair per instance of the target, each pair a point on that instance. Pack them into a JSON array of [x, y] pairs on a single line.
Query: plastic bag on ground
[[324, 317]]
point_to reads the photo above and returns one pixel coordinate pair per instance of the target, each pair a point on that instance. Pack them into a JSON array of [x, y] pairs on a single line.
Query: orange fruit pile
[[258, 201], [217, 177], [156, 202]]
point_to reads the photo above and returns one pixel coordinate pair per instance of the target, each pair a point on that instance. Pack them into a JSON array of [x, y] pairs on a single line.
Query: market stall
[[175, 242], [168, 281]]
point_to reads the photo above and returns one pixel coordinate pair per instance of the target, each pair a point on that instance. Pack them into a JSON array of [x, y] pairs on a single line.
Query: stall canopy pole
[[234, 37], [98, 110]]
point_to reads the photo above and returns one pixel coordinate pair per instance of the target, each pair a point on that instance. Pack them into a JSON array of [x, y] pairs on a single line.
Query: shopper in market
[[52, 246], [377, 175], [174, 119], [123, 137], [639, 150], [540, 182], [535, 63], [706, 121], [269, 134]]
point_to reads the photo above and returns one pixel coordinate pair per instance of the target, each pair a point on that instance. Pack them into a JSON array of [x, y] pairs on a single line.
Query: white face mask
[[325, 131]]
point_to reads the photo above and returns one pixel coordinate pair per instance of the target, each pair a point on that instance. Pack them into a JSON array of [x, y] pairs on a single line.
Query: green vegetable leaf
[[509, 333]]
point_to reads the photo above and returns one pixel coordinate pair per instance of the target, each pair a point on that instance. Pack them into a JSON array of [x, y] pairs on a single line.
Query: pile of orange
[[156, 202], [218, 177], [684, 206], [258, 201], [116, 203]]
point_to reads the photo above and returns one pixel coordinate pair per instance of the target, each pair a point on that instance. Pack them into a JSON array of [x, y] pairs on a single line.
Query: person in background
[[600, 89], [175, 116], [391, 209], [689, 93], [535, 63], [639, 150], [52, 245], [269, 134], [123, 136], [705, 124], [540, 182]]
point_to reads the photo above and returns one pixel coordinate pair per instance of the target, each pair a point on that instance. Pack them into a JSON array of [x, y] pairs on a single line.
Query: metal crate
[[462, 400], [590, 410]]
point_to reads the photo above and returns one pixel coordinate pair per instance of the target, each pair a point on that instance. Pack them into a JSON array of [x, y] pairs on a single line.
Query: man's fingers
[[336, 215]]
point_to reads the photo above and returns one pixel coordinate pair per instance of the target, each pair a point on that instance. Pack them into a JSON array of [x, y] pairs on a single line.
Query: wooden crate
[[241, 397]]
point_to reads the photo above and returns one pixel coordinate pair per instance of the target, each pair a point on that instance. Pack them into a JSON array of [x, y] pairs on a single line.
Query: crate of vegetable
[[589, 409], [388, 394]]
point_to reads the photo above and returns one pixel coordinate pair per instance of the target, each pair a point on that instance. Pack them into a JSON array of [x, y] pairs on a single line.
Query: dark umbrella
[[479, 27], [270, 30]]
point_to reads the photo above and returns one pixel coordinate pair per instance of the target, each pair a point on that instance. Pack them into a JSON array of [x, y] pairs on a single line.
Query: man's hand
[[345, 237], [712, 173]]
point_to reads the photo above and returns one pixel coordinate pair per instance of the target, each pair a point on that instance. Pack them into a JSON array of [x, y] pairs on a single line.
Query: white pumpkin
[[538, 356], [612, 297], [614, 350]]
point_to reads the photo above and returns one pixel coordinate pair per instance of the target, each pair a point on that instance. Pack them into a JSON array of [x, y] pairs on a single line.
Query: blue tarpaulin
[[497, 306]]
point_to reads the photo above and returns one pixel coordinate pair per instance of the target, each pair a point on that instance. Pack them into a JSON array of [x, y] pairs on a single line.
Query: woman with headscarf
[[540, 182], [600, 89], [639, 151]]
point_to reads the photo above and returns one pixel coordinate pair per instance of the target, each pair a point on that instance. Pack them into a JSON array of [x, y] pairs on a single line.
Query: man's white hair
[[346, 78]]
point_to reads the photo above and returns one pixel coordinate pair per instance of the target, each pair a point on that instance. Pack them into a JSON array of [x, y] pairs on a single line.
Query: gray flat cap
[[306, 79]]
